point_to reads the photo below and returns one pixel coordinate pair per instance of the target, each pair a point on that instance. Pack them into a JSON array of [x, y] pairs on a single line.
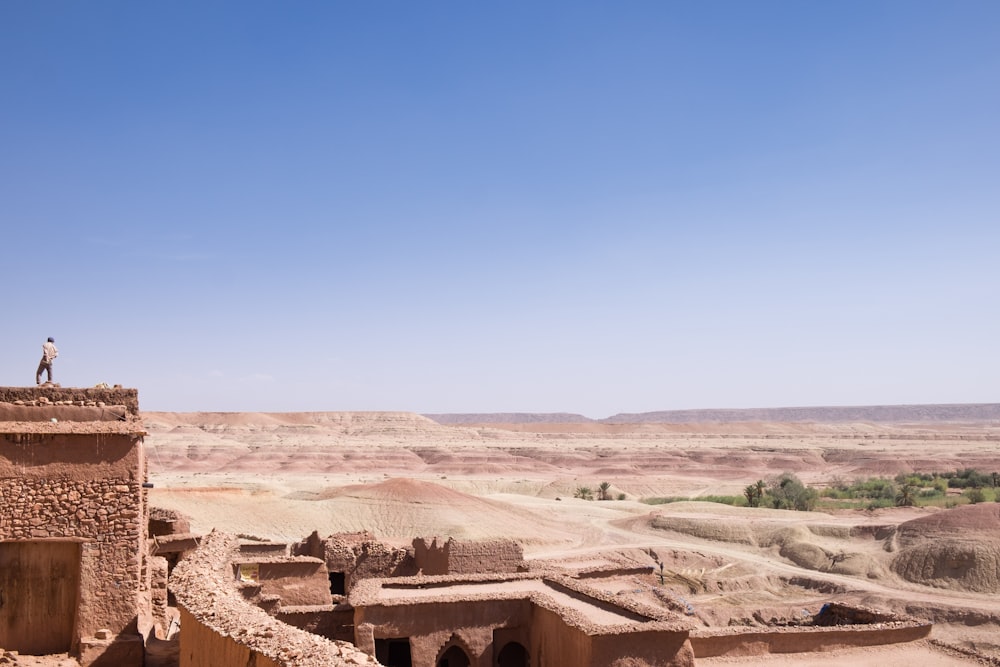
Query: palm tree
[[904, 497], [584, 493], [605, 490]]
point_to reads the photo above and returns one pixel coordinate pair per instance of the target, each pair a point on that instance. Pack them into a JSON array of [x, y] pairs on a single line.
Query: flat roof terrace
[[596, 611]]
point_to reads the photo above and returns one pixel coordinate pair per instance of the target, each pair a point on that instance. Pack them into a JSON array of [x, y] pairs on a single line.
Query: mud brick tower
[[73, 517]]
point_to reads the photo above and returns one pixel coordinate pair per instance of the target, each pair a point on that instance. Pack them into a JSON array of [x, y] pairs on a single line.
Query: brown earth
[[400, 475]]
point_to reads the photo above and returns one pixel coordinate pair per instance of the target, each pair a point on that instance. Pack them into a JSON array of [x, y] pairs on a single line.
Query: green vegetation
[[786, 491], [604, 492], [783, 492], [737, 501], [754, 493], [916, 489]]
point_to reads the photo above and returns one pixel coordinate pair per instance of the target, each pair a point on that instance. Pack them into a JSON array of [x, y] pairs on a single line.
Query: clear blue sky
[[517, 206]]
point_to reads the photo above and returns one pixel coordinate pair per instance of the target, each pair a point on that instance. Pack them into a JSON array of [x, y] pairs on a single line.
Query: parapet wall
[[81, 397], [732, 642], [221, 629]]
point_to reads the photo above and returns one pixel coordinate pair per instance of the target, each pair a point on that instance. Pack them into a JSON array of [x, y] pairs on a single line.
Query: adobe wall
[[358, 555], [302, 581], [330, 621], [432, 626], [467, 557], [221, 629], [650, 648], [746, 642], [84, 487], [556, 643], [559, 633], [203, 646]]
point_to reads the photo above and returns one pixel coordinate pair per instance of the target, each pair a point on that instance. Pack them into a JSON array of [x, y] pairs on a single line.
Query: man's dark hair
[[51, 339]]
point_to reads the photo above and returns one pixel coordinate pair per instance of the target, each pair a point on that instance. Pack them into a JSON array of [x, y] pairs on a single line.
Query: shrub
[[975, 495], [788, 492]]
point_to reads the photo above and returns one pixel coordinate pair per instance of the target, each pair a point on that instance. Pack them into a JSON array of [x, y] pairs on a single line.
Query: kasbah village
[[336, 538]]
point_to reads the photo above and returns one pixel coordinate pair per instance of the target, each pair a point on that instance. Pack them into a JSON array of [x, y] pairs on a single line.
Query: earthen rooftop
[[50, 409]]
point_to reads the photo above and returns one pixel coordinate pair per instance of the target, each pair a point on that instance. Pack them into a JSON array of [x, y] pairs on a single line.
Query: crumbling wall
[[221, 629], [467, 557], [358, 555], [167, 522]]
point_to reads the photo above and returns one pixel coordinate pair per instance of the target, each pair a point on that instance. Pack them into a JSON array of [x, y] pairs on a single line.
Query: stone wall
[[86, 488]]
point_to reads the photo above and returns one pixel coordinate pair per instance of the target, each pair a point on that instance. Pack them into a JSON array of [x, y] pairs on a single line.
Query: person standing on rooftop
[[49, 353]]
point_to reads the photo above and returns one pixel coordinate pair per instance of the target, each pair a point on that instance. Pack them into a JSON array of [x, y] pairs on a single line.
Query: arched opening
[[453, 657], [513, 655]]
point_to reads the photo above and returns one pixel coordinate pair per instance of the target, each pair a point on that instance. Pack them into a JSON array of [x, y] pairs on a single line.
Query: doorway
[[393, 652]]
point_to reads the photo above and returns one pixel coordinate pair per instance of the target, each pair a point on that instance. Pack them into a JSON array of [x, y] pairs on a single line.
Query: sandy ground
[[400, 476]]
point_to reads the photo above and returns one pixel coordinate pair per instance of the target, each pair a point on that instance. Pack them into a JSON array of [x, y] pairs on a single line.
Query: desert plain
[[398, 475]]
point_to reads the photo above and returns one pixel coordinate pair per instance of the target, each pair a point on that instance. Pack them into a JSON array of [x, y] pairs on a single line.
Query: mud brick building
[[73, 522]]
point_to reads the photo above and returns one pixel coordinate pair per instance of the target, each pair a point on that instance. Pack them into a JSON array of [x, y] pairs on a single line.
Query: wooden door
[[39, 588]]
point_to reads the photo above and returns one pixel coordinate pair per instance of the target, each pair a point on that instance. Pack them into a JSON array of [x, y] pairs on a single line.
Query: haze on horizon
[[529, 207]]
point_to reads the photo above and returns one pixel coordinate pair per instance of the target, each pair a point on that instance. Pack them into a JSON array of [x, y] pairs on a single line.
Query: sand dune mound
[[404, 490], [960, 521], [394, 509], [814, 546], [958, 548]]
